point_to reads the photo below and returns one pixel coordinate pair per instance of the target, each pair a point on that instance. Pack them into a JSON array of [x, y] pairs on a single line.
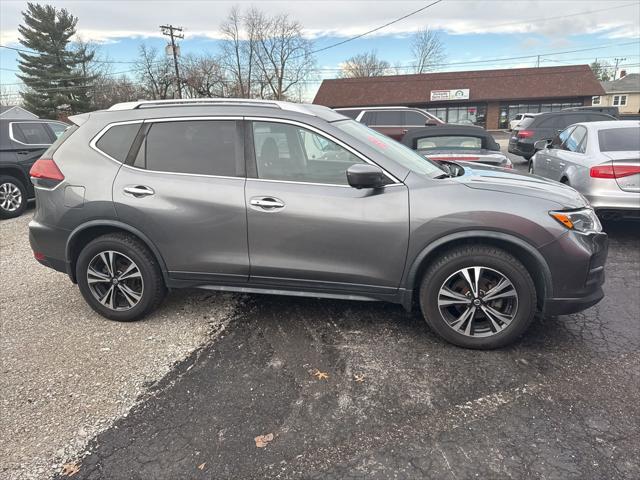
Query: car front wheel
[[119, 277], [478, 297], [13, 197]]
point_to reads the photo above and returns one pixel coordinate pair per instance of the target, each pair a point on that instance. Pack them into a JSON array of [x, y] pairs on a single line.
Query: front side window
[[117, 141], [31, 133], [291, 153], [201, 147], [451, 142], [562, 137], [414, 119]]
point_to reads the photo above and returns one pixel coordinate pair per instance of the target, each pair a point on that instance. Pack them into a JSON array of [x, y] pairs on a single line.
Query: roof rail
[[295, 107]]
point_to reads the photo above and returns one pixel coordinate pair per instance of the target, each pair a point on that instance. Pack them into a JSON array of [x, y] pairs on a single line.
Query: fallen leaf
[[320, 375], [358, 377], [201, 466], [263, 440], [70, 469]]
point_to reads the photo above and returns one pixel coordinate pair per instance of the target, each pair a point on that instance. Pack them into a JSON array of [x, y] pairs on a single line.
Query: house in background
[[16, 113], [488, 98], [623, 93]]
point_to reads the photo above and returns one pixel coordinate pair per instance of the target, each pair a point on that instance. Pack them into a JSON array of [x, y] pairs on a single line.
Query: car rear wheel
[[13, 197], [478, 297], [119, 277]]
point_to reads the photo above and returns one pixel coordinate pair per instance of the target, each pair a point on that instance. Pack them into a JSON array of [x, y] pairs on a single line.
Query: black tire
[[495, 260], [153, 289], [8, 210]]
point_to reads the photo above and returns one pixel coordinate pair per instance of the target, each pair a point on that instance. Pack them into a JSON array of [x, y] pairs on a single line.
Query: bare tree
[[283, 56], [155, 74], [108, 91], [237, 50], [365, 65], [203, 76], [427, 50]]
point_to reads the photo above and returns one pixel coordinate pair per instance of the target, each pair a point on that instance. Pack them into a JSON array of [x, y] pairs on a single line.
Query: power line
[[33, 52], [375, 29]]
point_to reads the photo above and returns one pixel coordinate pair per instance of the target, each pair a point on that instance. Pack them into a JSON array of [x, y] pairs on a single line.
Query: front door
[[185, 191], [308, 229]]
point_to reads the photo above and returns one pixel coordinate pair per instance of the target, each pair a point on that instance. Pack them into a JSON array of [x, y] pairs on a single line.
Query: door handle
[[139, 191], [266, 203]]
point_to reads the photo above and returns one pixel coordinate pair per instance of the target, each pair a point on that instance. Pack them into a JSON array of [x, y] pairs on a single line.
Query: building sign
[[455, 94]]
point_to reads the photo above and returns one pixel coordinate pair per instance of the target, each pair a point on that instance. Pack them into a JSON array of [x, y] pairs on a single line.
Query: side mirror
[[363, 175], [542, 144], [431, 123]]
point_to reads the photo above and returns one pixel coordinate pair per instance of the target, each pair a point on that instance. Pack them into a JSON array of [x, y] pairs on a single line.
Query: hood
[[500, 180]]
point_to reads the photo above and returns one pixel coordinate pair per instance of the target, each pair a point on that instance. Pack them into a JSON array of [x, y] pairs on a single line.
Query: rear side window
[[414, 119], [619, 139], [58, 128], [117, 141], [202, 147], [389, 117], [526, 121], [31, 133], [350, 113]]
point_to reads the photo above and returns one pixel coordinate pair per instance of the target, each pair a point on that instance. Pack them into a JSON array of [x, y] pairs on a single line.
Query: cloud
[[103, 21]]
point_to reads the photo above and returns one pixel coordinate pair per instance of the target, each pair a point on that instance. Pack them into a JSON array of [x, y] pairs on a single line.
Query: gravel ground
[[67, 373]]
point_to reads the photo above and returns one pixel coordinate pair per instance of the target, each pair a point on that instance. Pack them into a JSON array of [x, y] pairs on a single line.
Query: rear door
[[308, 229], [183, 187], [547, 159]]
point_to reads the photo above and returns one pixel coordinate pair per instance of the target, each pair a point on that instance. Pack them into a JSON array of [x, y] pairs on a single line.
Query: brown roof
[[483, 85]]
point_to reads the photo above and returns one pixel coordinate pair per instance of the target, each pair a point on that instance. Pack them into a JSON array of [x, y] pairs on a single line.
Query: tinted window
[[117, 141], [369, 118], [287, 152], [58, 128], [574, 142], [449, 143], [32, 133], [619, 139], [389, 117], [414, 119], [204, 147], [349, 113], [526, 121]]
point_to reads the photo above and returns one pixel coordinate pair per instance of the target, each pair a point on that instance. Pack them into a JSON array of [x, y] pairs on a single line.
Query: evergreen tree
[[57, 84]]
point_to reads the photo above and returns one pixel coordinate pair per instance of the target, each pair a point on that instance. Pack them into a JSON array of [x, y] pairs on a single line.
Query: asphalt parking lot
[[98, 399]]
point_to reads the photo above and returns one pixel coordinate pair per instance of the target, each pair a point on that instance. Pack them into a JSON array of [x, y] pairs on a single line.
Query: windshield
[[619, 139], [390, 148]]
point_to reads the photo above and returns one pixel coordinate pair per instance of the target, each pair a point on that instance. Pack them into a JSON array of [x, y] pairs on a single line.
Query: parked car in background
[[21, 144], [457, 143], [547, 125], [601, 160], [393, 122], [515, 121], [275, 197]]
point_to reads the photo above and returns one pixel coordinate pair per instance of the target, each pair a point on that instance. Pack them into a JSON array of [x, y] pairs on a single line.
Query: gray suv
[[281, 198]]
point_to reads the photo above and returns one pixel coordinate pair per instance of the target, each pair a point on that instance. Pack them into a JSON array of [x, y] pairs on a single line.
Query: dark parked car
[[394, 122], [547, 125], [21, 144], [272, 197], [457, 143], [613, 111]]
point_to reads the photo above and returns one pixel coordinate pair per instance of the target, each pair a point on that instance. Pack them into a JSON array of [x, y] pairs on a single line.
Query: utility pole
[[615, 71], [170, 31], [538, 62]]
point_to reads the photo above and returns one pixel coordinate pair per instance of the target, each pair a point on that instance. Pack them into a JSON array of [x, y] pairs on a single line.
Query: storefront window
[[461, 114], [508, 112]]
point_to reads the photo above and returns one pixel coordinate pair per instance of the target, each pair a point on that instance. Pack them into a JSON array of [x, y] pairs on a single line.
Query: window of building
[[440, 112], [619, 100], [203, 147], [117, 141], [31, 133], [595, 100], [291, 153]]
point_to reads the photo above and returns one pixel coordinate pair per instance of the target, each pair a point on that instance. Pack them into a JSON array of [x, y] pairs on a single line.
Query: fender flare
[[119, 225], [480, 234]]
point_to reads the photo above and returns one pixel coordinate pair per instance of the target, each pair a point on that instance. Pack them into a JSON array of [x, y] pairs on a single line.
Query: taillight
[[46, 169], [525, 133], [613, 171]]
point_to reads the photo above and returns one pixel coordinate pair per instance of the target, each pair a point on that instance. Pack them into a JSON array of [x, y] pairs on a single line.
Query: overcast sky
[[471, 30]]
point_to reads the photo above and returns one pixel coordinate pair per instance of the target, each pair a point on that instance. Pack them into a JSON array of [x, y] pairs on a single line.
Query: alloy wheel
[[10, 197], [115, 280], [478, 301]]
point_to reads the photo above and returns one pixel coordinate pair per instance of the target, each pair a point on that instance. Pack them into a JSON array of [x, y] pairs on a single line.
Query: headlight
[[583, 221]]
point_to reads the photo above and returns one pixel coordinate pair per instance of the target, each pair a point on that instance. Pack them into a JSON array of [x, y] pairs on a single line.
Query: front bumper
[[577, 264]]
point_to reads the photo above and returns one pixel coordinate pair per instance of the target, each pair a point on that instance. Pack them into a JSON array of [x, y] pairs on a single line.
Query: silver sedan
[[599, 159]]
